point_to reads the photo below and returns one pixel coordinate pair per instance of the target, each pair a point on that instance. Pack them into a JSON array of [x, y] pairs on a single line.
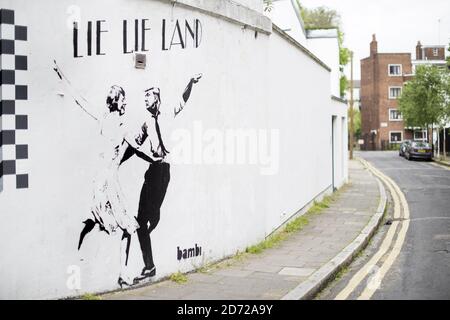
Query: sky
[[398, 24]]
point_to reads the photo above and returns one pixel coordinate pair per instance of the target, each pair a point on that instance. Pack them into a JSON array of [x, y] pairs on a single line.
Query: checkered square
[[14, 151]]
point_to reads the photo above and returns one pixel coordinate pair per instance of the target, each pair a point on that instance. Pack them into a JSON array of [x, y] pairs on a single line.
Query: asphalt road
[[422, 270]]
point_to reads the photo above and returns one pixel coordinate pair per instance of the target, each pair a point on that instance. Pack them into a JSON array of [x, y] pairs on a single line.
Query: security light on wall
[[140, 60]]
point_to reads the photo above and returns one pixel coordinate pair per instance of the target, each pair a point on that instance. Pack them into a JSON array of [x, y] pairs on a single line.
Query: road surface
[[422, 269]]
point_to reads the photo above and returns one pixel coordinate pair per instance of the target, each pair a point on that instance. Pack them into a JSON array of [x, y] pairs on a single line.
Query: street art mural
[[110, 212]]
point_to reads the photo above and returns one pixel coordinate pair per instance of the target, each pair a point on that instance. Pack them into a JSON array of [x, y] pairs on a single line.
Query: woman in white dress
[[109, 209], [109, 206]]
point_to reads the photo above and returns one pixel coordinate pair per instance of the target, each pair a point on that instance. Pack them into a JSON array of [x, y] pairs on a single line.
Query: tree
[[448, 58], [320, 18], [343, 85], [344, 53], [357, 123], [425, 99]]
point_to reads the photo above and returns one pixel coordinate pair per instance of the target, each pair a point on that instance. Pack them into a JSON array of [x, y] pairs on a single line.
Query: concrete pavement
[[296, 268]]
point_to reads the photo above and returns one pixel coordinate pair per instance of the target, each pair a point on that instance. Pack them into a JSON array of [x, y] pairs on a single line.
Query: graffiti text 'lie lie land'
[[135, 36]]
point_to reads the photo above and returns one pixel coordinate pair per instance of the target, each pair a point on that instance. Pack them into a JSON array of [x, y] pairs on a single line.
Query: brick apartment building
[[382, 79], [430, 54]]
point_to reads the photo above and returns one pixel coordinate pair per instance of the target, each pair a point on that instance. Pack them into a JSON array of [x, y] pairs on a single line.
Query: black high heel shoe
[[122, 282]]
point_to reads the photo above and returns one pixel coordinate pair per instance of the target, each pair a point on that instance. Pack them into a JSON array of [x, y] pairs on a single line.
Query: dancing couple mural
[[109, 211]]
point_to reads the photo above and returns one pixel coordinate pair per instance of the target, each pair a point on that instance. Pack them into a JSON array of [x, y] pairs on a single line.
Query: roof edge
[[299, 46]]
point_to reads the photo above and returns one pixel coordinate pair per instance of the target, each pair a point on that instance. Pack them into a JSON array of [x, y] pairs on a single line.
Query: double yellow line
[[389, 246], [438, 165]]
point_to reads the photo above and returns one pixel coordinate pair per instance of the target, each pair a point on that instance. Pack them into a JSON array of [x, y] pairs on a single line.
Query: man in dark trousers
[[157, 177]]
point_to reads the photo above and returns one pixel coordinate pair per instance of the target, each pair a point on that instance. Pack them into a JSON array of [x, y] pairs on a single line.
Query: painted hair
[[113, 97], [156, 92]]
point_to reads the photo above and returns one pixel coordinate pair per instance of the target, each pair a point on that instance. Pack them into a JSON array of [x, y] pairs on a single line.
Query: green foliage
[[357, 123], [344, 55], [448, 58], [293, 226], [268, 5], [320, 18], [342, 272], [318, 207], [270, 242], [425, 99], [90, 296], [178, 278], [343, 85], [296, 225]]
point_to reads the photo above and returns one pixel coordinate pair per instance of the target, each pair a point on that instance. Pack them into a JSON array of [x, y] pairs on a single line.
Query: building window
[[395, 92], [395, 136], [395, 69], [395, 115], [421, 135], [435, 52]]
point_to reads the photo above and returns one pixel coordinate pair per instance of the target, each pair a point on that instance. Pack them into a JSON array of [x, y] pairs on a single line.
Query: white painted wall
[[252, 4], [254, 83], [341, 155], [303, 101], [324, 44], [284, 15]]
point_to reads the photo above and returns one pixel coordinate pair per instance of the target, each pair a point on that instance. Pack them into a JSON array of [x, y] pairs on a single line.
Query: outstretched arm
[[187, 94], [79, 100]]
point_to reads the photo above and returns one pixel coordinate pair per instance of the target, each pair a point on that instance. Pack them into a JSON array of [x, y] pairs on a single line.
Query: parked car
[[403, 146], [419, 150]]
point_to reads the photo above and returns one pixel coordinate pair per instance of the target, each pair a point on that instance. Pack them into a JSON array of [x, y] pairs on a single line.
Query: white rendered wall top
[[285, 16], [324, 44], [248, 13], [257, 5]]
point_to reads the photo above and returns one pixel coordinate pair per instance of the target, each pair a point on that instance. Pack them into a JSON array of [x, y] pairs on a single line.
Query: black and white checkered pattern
[[13, 103]]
